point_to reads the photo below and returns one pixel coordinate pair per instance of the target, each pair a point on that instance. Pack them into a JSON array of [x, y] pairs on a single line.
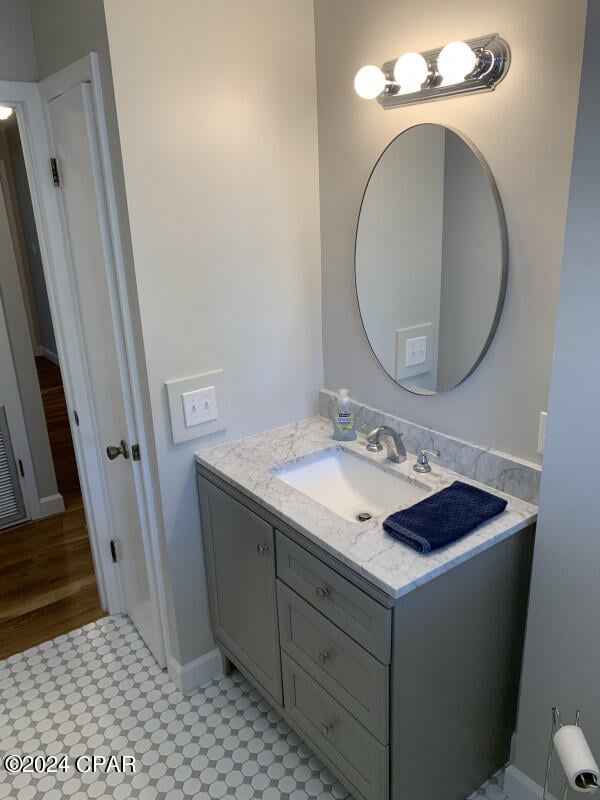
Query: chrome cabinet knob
[[262, 549], [114, 452], [322, 592]]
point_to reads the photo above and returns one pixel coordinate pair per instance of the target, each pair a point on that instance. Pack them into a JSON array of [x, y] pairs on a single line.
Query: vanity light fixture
[[6, 112], [369, 82], [475, 65], [455, 62], [410, 72]]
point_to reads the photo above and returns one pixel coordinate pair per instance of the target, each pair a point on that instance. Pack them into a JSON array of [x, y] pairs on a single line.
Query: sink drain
[[363, 516]]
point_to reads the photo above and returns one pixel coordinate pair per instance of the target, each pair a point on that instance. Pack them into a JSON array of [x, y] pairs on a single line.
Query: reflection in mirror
[[430, 259]]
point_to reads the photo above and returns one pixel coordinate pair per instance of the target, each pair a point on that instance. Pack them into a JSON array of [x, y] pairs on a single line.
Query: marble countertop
[[364, 547]]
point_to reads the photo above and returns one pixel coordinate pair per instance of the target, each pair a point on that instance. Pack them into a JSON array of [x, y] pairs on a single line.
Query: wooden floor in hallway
[[47, 580]]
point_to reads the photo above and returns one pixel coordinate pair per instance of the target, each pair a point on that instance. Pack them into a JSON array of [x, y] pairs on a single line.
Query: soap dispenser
[[343, 419]]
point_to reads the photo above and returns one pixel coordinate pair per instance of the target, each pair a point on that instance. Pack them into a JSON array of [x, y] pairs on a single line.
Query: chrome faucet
[[423, 464], [395, 447]]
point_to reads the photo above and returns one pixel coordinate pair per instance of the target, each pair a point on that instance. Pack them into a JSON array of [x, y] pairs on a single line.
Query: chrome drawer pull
[[263, 549], [325, 728], [322, 592], [324, 657]]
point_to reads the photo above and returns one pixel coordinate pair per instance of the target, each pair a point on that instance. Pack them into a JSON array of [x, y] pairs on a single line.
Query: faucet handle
[[423, 464], [373, 441]]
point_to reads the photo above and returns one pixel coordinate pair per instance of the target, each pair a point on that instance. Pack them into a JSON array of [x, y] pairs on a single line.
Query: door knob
[[114, 452]]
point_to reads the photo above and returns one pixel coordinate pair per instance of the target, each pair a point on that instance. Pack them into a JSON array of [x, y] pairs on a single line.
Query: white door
[[75, 146]]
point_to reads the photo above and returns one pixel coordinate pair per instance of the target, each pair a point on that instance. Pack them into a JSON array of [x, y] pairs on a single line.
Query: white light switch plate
[[416, 351], [415, 348], [198, 405]]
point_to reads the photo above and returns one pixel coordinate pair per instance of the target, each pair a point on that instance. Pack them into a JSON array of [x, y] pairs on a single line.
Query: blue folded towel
[[443, 517]]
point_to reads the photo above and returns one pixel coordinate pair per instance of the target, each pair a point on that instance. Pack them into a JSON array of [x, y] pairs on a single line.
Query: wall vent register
[[12, 507]]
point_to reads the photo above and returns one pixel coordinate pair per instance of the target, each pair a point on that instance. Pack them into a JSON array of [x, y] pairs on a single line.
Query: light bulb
[[6, 112], [410, 72], [455, 62], [369, 82]]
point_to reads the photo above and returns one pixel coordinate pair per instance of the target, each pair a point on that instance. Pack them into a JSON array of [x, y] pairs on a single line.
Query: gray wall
[[17, 54], [217, 114], [471, 263], [65, 30], [562, 650], [525, 133]]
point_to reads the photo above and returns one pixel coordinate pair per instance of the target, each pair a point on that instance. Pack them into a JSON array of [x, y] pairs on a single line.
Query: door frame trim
[[30, 101]]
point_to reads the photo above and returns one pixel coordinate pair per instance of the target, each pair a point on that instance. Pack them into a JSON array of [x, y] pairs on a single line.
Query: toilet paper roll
[[576, 758]]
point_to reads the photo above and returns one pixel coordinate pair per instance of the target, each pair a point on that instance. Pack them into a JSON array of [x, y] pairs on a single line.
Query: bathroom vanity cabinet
[[404, 699]]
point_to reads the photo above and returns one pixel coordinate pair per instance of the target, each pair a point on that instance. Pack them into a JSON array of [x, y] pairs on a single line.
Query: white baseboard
[[517, 786], [203, 670], [43, 351], [52, 504]]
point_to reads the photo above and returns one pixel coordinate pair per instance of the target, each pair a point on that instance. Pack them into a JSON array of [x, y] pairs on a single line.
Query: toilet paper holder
[[589, 781]]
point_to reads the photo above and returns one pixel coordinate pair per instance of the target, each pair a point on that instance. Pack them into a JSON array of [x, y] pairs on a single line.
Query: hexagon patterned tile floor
[[98, 691]]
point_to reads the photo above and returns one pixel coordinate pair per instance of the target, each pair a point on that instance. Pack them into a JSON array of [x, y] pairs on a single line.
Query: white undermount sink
[[349, 485]]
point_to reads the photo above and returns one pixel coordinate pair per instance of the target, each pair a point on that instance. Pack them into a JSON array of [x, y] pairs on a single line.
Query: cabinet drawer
[[351, 675], [357, 614], [358, 758]]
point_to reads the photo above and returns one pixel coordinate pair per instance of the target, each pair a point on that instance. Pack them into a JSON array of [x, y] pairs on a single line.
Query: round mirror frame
[[503, 256]]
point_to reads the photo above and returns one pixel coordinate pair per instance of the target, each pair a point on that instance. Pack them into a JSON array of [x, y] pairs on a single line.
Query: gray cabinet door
[[240, 566]]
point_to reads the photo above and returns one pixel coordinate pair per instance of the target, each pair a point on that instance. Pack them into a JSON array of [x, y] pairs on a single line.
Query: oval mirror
[[430, 259]]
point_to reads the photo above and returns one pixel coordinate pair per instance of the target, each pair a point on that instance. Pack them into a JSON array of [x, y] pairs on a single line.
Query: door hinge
[[55, 173], [113, 551], [135, 452], [21, 468]]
